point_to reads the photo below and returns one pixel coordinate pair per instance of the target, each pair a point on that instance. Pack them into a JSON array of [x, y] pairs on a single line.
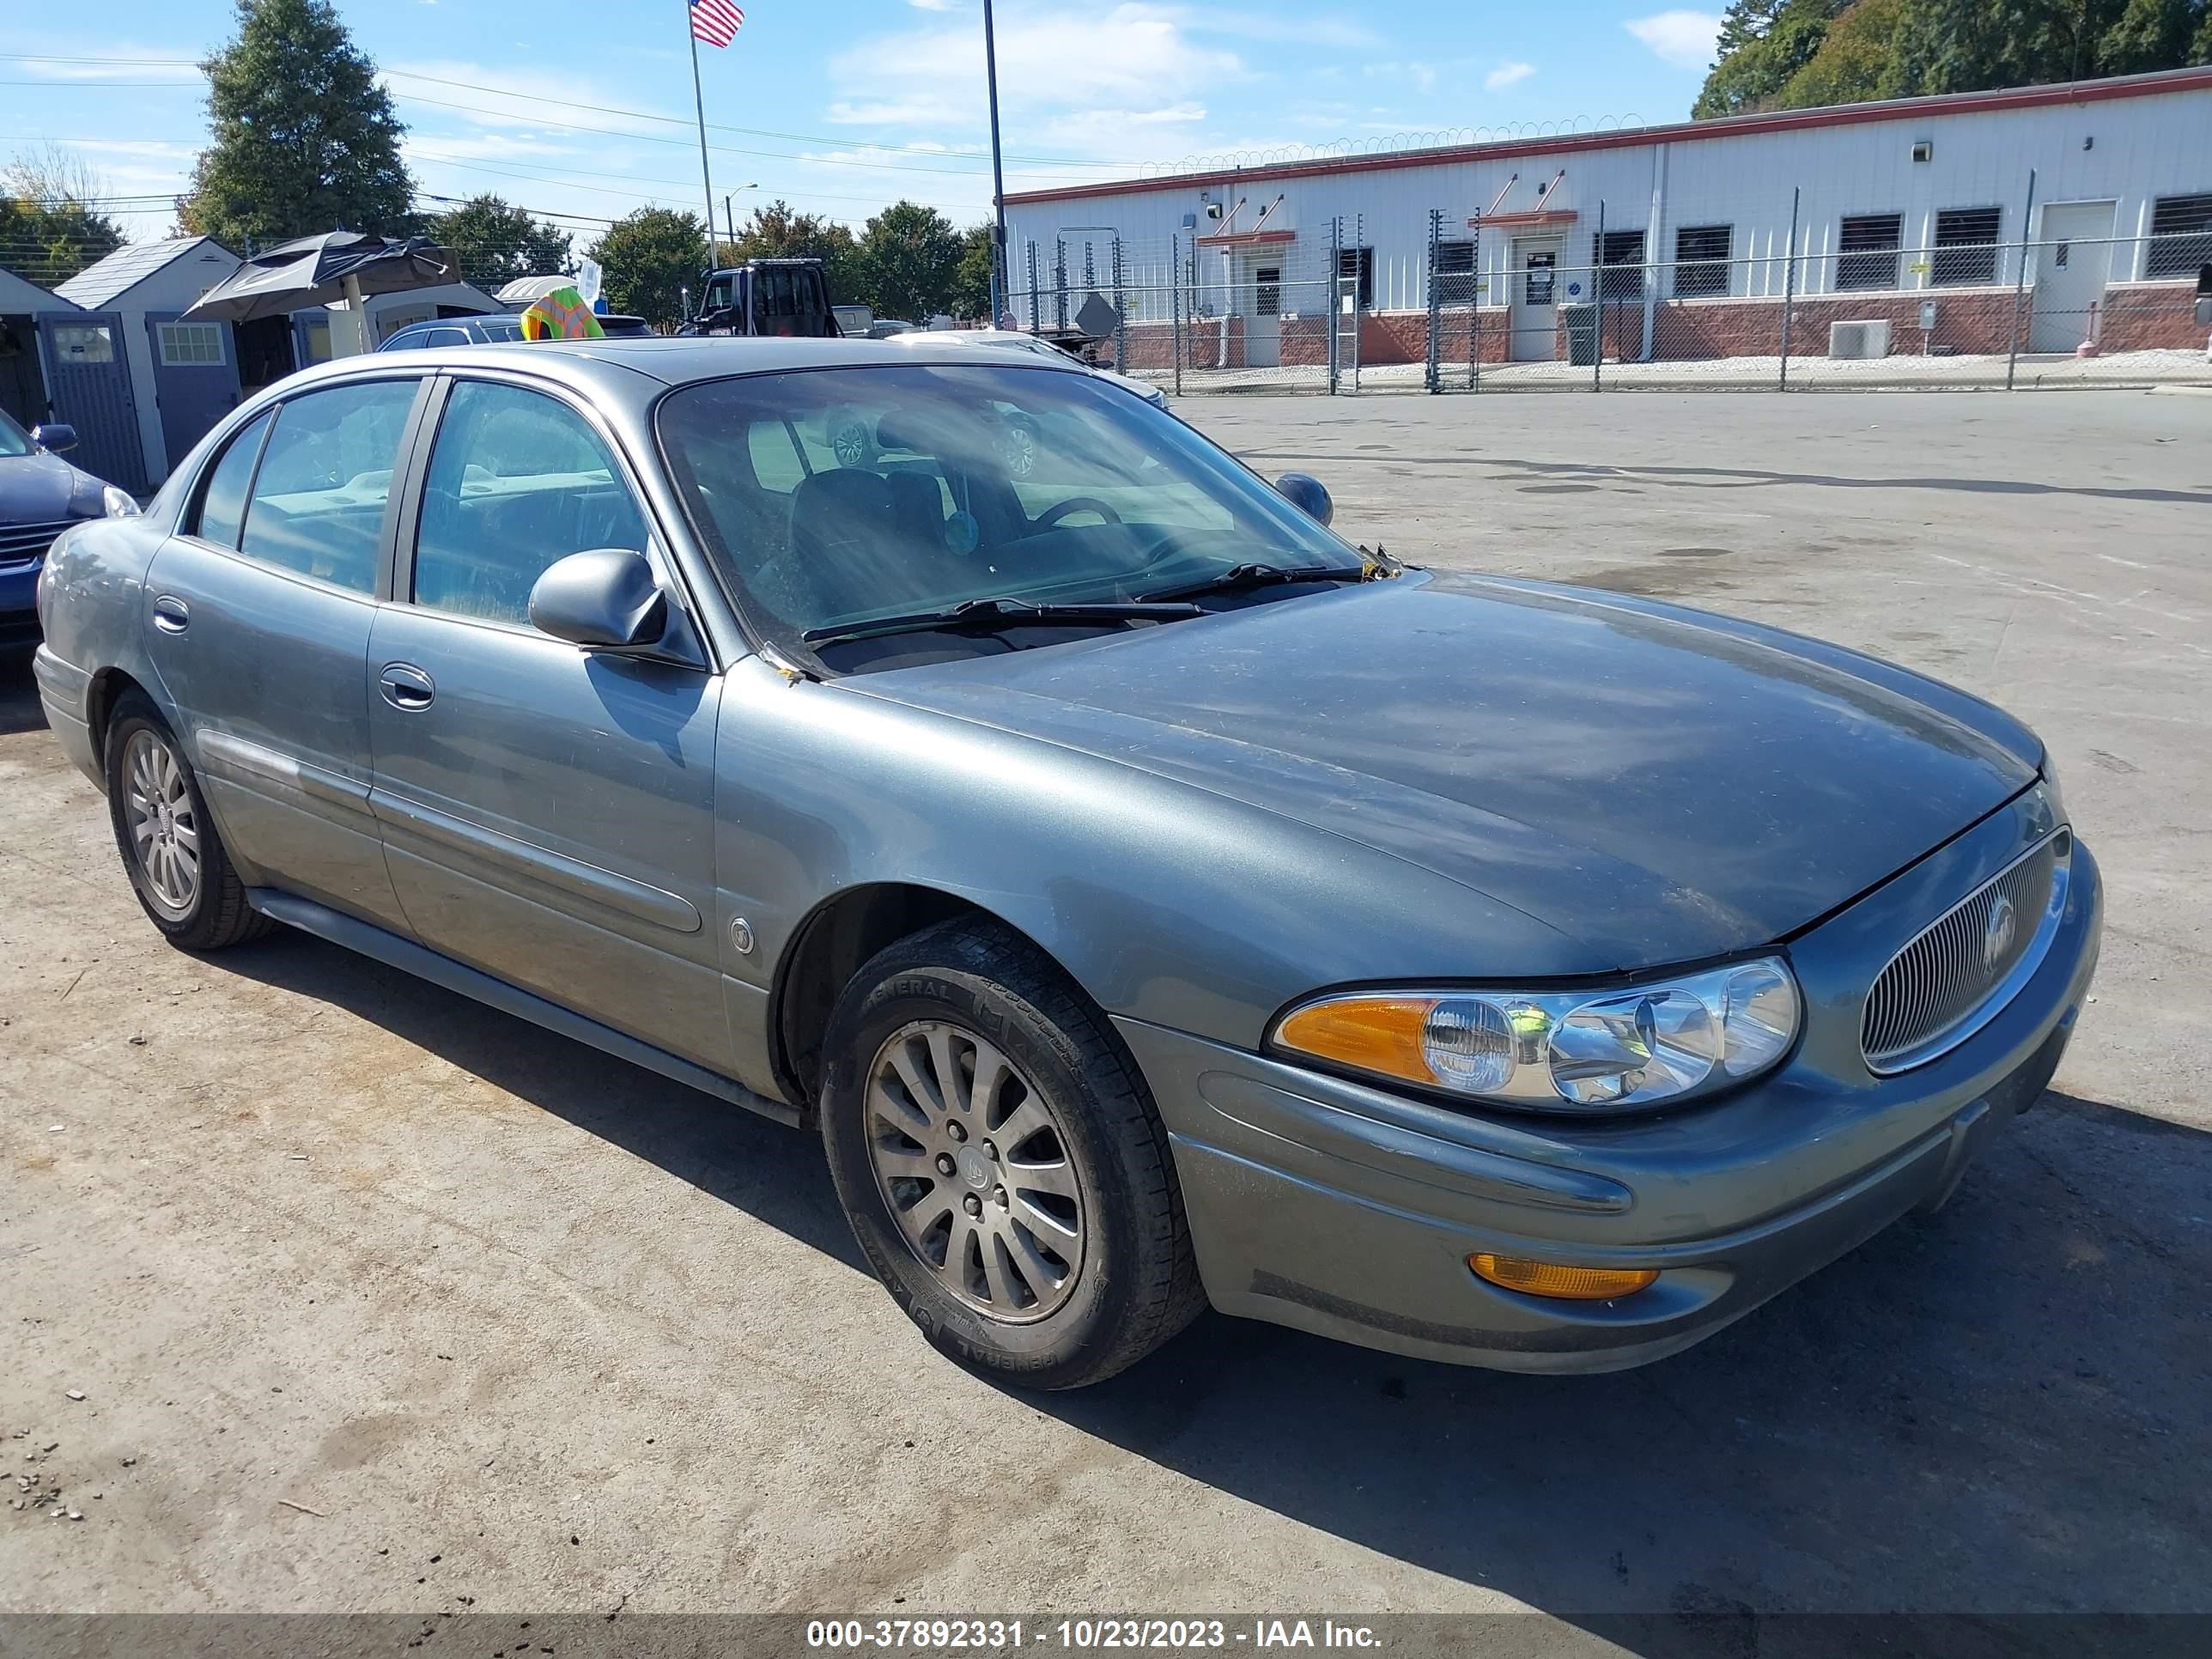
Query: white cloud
[[931, 5], [1138, 63], [1684, 39], [1508, 75]]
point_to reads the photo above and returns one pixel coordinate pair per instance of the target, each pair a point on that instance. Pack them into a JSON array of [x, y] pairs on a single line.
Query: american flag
[[715, 21]]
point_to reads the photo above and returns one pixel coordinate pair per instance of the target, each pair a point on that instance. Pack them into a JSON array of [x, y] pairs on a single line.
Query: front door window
[[1540, 270]]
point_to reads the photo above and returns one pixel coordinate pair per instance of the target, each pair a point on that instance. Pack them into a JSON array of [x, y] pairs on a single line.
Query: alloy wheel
[[977, 1170], [165, 830]]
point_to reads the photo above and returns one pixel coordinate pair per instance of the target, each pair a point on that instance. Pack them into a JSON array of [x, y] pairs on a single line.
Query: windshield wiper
[[1000, 612], [1239, 577]]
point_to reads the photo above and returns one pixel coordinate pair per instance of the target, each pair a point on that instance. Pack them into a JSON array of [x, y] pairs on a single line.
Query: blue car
[[40, 495], [498, 326]]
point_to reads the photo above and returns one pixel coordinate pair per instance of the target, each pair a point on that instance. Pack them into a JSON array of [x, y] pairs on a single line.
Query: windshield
[[13, 440], [836, 496]]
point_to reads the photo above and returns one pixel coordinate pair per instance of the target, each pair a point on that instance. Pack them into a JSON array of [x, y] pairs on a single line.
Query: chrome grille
[[1968, 963], [27, 541]]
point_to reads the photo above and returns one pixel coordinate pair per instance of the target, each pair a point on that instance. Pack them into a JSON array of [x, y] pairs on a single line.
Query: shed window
[[84, 342], [1357, 263], [2181, 236], [1701, 256], [1455, 273], [190, 342], [1966, 246], [1621, 254], [1866, 250]]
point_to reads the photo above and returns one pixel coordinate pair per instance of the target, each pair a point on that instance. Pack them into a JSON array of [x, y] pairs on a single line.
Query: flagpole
[[699, 101]]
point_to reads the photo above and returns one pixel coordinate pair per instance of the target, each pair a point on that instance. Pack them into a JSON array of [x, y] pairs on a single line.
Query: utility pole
[[699, 102], [998, 172]]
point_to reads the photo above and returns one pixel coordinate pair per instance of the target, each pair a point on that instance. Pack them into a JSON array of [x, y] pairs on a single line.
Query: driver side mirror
[[1308, 494], [607, 599], [54, 437]]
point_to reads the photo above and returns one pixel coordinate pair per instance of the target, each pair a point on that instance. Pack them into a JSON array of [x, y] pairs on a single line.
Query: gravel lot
[[380, 1300]]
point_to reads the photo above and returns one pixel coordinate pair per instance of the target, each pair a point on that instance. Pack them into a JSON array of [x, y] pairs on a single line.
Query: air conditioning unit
[[1859, 340]]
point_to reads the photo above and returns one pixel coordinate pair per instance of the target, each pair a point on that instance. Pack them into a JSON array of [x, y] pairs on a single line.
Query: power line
[[1076, 162]]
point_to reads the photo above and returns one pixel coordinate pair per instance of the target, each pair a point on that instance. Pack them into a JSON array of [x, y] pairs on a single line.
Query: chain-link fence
[[1454, 305]]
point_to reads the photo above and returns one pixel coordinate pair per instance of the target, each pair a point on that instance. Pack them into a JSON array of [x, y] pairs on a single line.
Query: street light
[[730, 216]]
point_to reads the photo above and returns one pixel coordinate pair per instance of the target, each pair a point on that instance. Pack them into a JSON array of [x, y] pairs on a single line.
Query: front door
[[548, 812], [1263, 328], [258, 615], [1536, 300], [195, 378], [2071, 269], [88, 385]]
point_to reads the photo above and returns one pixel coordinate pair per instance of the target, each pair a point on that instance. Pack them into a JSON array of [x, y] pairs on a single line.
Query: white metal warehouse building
[[1685, 231]]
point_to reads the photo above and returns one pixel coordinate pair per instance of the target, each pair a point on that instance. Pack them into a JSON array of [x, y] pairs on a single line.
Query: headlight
[[1561, 1050], [118, 503]]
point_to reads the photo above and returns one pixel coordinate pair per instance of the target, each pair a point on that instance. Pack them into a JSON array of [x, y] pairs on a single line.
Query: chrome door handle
[[172, 615], [406, 687]]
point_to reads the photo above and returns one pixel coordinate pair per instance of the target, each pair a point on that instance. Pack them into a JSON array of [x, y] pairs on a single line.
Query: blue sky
[[839, 109]]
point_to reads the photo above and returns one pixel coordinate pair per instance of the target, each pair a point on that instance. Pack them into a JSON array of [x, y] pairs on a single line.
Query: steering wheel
[[1058, 510]]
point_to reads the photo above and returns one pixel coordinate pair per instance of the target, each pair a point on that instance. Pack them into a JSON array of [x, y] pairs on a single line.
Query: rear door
[[88, 384], [258, 621], [195, 378], [548, 812]]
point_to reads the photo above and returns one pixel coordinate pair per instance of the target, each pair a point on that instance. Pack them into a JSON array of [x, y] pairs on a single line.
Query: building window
[[190, 342], [1455, 273], [1621, 254], [1966, 246], [1701, 256], [2181, 236], [1267, 291], [1357, 263], [1866, 250]]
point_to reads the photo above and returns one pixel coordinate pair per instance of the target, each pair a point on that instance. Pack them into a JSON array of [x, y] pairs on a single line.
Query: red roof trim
[[1243, 238], [1539, 217], [1729, 126]]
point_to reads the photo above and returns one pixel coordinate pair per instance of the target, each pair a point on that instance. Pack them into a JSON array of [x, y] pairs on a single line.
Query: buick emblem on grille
[[1997, 937]]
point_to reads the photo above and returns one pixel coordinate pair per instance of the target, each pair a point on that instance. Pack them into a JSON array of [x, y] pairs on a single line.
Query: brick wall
[[1967, 320], [2148, 316]]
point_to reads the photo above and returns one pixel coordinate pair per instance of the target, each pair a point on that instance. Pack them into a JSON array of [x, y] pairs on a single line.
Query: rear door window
[[222, 503], [318, 499]]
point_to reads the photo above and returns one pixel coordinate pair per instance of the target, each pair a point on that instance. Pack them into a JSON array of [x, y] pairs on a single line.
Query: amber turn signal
[[1518, 1272]]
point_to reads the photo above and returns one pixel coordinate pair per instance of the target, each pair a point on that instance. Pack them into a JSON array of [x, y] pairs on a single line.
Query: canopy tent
[[339, 265]]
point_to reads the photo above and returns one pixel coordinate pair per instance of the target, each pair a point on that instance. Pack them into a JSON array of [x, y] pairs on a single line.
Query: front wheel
[[1001, 1164]]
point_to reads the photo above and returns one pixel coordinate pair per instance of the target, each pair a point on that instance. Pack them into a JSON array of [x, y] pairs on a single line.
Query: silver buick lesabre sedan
[[1152, 899]]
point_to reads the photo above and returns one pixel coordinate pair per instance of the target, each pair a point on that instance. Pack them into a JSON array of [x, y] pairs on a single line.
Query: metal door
[[1263, 328], [88, 385], [2071, 269], [1535, 301], [195, 378]]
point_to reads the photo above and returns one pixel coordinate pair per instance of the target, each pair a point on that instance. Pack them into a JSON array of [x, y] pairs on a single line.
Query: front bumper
[[19, 600], [1349, 1211]]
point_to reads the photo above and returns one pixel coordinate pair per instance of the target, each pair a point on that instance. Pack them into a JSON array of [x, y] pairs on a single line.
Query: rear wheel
[[1001, 1162], [170, 847]]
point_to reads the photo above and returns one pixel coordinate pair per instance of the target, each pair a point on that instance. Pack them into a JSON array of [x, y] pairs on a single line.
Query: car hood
[[1661, 784], [35, 489]]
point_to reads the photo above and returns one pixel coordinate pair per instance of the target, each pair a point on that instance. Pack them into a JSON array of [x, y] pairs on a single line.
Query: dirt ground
[[379, 1301]]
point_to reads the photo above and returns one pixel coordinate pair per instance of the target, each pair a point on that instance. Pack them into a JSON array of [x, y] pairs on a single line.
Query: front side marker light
[[1564, 1284]]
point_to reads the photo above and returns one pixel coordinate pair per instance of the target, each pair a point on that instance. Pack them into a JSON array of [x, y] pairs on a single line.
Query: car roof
[[675, 361]]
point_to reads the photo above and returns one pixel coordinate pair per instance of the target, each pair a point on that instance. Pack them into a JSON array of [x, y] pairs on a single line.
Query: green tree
[[496, 242], [971, 278], [647, 258], [304, 140], [910, 261], [48, 231], [776, 232], [1792, 54]]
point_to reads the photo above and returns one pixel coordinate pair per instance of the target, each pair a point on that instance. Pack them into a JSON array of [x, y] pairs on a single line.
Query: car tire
[[1064, 1255], [852, 438], [170, 847], [1018, 447]]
